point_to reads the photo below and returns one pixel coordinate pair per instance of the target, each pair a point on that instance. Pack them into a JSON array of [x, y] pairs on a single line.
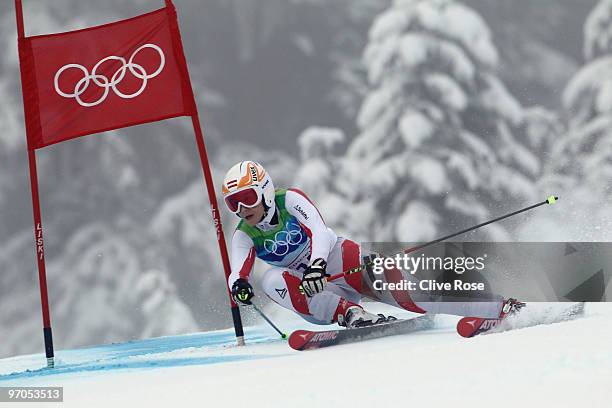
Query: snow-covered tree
[[348, 42], [598, 31], [436, 149], [318, 171], [581, 161], [103, 287], [542, 127]]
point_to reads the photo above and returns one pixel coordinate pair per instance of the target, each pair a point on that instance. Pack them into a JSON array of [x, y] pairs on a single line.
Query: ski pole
[[283, 335], [550, 200]]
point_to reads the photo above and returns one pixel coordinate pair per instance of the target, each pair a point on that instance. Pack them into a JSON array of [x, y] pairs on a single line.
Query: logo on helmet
[[253, 173]]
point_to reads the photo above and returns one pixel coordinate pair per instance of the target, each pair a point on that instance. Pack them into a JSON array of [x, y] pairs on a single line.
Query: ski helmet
[[247, 183]]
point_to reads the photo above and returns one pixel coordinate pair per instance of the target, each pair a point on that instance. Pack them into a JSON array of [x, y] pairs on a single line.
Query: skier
[[285, 229]]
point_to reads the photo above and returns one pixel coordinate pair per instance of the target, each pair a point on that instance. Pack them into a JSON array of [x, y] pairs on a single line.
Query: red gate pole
[[217, 221], [195, 120], [38, 230]]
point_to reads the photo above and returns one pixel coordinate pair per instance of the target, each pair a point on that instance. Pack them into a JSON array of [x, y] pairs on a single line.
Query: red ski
[[307, 339], [473, 326]]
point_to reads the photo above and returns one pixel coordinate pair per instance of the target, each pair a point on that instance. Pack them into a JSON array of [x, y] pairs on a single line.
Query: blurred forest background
[[403, 120]]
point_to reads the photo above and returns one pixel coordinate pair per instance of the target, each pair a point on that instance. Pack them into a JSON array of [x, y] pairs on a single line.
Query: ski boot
[[511, 306], [356, 316], [473, 326]]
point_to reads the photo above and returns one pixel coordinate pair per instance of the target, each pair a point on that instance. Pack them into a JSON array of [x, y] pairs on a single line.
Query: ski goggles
[[249, 198]]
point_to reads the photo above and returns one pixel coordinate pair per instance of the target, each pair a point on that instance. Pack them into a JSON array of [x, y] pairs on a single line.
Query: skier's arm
[[323, 239], [243, 257]]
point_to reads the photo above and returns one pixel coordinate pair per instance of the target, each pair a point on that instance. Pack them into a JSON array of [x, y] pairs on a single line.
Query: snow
[[373, 137], [588, 80], [304, 43], [416, 48], [417, 223], [480, 149], [389, 22], [318, 168], [463, 166], [102, 289], [431, 175], [335, 206], [580, 160], [447, 90], [413, 49], [184, 213], [463, 68], [469, 206], [375, 105], [597, 33], [380, 54], [383, 178], [414, 128], [517, 154], [410, 40], [560, 365], [316, 141], [512, 183], [97, 257], [11, 134], [604, 99], [543, 129], [497, 98], [436, 121], [460, 22]]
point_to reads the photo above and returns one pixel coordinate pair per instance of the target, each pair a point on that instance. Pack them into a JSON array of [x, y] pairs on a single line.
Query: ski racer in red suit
[[285, 229]]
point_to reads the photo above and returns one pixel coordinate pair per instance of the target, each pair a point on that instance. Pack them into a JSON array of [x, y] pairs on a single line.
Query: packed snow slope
[[565, 364]]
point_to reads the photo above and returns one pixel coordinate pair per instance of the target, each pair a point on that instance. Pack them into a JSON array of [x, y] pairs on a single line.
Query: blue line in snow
[[134, 354], [125, 364]]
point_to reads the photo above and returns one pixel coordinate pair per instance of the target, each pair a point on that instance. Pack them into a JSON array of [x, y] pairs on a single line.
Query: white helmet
[[247, 183]]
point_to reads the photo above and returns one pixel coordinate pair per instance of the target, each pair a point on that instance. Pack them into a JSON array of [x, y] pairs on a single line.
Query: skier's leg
[[485, 309], [419, 302], [283, 287], [345, 255]]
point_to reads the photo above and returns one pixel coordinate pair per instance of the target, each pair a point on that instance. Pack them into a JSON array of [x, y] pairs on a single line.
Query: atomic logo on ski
[[471, 323], [325, 336]]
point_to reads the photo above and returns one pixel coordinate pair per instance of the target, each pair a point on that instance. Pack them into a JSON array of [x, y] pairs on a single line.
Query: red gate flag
[[102, 78]]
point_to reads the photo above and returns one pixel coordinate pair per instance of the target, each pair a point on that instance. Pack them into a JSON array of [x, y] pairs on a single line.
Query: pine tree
[[581, 165], [598, 31], [436, 149]]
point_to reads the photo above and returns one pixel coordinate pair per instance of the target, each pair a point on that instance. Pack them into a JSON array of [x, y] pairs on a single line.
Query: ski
[[308, 339], [474, 326]]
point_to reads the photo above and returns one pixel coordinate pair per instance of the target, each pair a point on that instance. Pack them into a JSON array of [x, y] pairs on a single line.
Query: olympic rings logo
[[103, 82], [282, 242]]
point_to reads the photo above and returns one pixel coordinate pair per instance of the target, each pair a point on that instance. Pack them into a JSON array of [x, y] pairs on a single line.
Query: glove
[[314, 279], [242, 292]]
